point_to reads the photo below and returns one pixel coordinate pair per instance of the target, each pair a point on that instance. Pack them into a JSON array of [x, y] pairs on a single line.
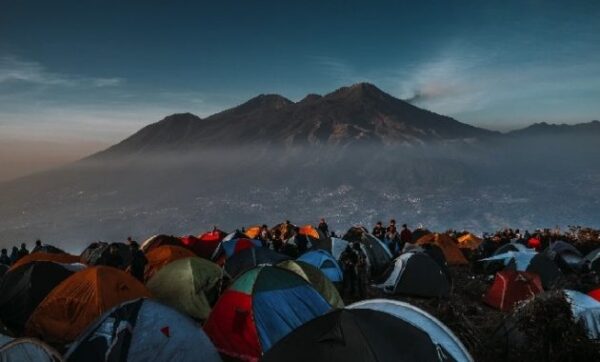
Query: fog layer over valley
[[521, 181]]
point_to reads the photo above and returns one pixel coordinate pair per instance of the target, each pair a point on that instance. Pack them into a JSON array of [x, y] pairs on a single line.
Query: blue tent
[[325, 262], [587, 310]]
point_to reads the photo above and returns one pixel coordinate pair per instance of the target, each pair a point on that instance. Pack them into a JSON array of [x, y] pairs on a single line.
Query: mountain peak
[[274, 101], [359, 91]]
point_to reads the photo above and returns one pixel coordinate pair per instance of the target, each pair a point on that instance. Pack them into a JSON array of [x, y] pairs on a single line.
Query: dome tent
[[325, 262], [158, 241], [23, 289], [511, 287], [163, 255], [189, 285], [450, 249], [566, 256], [416, 274], [98, 253], [57, 258], [594, 259], [540, 265], [250, 258], [80, 299], [373, 330], [143, 330], [26, 350], [469, 241], [317, 279], [262, 306], [231, 247]]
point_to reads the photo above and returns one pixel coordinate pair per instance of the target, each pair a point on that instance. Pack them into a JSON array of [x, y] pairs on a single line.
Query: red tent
[[595, 294], [511, 287], [534, 243], [210, 242]]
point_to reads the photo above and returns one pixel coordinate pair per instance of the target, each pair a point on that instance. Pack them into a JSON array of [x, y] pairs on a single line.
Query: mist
[[525, 182]]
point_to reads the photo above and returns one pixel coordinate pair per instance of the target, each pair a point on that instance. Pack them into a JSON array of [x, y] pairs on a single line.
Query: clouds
[[14, 70]]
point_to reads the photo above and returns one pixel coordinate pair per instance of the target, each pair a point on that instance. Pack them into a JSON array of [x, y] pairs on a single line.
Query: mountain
[[354, 156], [361, 113], [544, 129]]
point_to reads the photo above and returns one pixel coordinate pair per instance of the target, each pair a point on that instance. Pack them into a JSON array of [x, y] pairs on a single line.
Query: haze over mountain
[[356, 155]]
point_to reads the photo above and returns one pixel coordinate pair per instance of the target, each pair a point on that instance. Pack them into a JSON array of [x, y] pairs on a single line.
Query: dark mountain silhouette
[[356, 114], [544, 129]]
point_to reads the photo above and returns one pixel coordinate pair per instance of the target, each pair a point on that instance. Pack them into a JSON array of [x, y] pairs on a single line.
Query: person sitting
[[114, 258], [37, 247], [323, 227], [379, 231], [138, 262], [4, 258], [23, 251]]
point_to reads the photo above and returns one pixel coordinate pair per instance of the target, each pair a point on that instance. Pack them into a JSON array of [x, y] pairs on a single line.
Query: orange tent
[[61, 258], [469, 241], [76, 302], [450, 249], [163, 255], [309, 230], [252, 232]]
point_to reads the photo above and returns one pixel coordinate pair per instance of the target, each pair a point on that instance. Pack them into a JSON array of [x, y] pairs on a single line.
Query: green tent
[[318, 280], [190, 285]]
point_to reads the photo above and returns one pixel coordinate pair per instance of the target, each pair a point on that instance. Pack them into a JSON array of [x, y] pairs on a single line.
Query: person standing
[[37, 247], [405, 236], [348, 261], [14, 255], [4, 258], [362, 278], [138, 262], [23, 251], [323, 227], [379, 231]]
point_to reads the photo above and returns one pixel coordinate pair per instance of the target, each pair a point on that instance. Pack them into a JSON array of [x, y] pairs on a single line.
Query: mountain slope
[[544, 129], [361, 113]]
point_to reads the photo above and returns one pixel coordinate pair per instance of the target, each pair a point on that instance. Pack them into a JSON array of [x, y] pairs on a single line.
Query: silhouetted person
[[4, 258], [362, 278], [14, 255], [391, 228], [323, 227], [131, 242], [348, 261], [378, 231], [138, 262], [23, 251], [37, 247], [114, 258], [405, 235], [265, 236]]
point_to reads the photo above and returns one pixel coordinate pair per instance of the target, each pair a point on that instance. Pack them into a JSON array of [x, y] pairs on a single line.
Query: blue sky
[[76, 71]]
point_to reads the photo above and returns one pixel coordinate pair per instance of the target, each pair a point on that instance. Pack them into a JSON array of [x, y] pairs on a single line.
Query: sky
[[85, 74]]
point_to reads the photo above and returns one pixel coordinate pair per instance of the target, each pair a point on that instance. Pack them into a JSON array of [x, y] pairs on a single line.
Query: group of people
[[18, 253], [394, 240], [136, 264]]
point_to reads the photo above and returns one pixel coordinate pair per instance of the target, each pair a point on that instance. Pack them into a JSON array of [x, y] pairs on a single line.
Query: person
[[348, 261], [4, 258], [114, 258], [323, 227], [392, 240], [37, 247], [14, 255], [131, 242], [405, 235], [23, 251], [379, 231], [333, 235], [265, 236], [138, 262], [361, 271], [391, 228]]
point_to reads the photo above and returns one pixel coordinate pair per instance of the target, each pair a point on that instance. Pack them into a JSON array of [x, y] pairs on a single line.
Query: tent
[[375, 330], [325, 262], [234, 246], [511, 287], [513, 247], [234, 235], [337, 247], [163, 255], [262, 306], [469, 241], [377, 252], [160, 240], [80, 299], [316, 237], [190, 285], [585, 309], [23, 289], [252, 232], [566, 256], [143, 330], [539, 264], [317, 279], [26, 350], [416, 274], [595, 294], [419, 233], [57, 258], [211, 240], [250, 258], [97, 253], [3, 269], [201, 247], [451, 250], [594, 259]]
